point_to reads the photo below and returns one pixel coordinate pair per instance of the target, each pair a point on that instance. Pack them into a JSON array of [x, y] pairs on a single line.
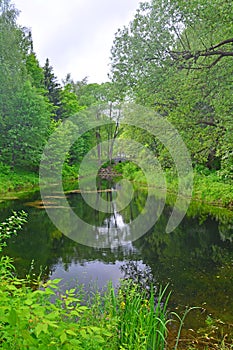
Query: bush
[[4, 169]]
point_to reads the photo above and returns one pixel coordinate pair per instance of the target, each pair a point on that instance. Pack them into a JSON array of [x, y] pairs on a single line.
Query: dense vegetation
[[33, 103], [174, 57]]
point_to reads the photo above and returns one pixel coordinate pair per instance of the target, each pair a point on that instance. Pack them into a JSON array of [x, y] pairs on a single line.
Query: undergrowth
[[16, 180]]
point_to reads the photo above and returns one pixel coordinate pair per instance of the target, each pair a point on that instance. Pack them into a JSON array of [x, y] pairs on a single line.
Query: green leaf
[[75, 342], [63, 337], [56, 280], [99, 339], [42, 327], [70, 332], [12, 317], [107, 333], [94, 329], [83, 333], [38, 329], [29, 302]]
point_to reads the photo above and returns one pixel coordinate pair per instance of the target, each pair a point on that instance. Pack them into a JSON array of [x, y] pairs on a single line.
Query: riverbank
[[207, 189], [15, 183]]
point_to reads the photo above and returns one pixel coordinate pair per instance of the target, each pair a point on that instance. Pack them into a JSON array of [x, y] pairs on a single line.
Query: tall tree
[[105, 98], [150, 58], [24, 113], [53, 90]]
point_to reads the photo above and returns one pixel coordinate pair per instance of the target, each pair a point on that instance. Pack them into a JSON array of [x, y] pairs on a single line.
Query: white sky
[[76, 35]]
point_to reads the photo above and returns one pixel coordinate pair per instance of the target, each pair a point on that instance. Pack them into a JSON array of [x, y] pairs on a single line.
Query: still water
[[196, 259]]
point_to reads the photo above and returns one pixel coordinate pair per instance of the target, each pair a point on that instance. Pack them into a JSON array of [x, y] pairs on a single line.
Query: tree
[[35, 72], [71, 107], [149, 58], [27, 130], [207, 37], [104, 97], [11, 68], [24, 112], [53, 90]]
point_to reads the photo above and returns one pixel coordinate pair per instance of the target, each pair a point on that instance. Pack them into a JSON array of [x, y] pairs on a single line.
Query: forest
[[174, 58]]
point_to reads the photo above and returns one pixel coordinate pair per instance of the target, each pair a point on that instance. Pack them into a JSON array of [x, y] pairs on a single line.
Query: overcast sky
[[76, 35]]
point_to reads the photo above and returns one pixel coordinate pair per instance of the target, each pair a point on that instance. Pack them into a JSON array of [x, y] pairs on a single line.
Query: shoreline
[[29, 183]]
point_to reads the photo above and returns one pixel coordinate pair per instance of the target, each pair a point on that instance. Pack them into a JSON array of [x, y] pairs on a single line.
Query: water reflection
[[196, 259]]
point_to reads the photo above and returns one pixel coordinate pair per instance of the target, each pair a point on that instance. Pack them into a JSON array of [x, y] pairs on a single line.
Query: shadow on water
[[196, 259]]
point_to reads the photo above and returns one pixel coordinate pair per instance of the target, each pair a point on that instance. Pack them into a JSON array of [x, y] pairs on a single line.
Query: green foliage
[[24, 112], [142, 321], [26, 129], [53, 90], [69, 101], [95, 94], [131, 171], [7, 228], [166, 59], [11, 226], [31, 320], [69, 172], [16, 180], [210, 189], [35, 72]]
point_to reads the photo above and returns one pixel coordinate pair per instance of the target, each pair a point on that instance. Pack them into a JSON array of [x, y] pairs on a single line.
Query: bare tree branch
[[193, 57], [228, 41]]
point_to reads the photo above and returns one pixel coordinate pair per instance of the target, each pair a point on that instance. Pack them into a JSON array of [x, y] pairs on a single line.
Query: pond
[[196, 259]]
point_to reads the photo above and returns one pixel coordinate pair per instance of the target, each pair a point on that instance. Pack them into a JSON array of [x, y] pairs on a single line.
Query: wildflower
[[122, 305]]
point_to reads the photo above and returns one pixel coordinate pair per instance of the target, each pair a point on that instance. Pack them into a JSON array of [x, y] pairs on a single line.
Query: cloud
[[76, 35]]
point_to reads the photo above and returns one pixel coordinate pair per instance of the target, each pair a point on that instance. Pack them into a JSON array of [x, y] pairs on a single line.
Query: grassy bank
[[208, 187], [16, 181]]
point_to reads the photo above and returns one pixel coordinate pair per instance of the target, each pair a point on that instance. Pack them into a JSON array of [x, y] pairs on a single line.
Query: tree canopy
[[176, 57]]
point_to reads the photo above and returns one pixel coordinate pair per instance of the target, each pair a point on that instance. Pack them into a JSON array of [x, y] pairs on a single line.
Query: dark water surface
[[196, 259]]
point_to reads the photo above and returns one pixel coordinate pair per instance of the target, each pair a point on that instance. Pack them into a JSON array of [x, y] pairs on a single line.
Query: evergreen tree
[[53, 90]]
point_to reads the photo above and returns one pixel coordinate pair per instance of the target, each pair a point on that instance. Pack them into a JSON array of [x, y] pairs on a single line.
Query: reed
[[142, 319]]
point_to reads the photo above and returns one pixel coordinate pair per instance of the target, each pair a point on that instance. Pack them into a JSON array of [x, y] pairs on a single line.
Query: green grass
[[142, 322], [211, 189], [16, 180], [208, 187]]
